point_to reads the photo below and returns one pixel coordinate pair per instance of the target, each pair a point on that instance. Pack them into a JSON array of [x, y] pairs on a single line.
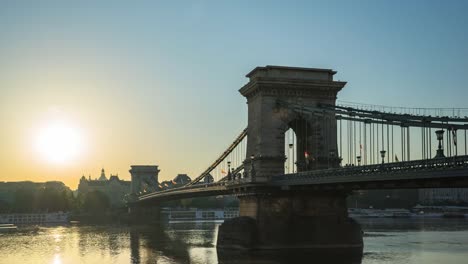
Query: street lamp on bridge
[[440, 150], [358, 160], [291, 151], [229, 176], [382, 154]]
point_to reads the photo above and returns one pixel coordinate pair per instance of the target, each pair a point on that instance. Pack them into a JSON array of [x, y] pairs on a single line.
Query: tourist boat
[[441, 211], [399, 213], [379, 213], [34, 218], [199, 215], [7, 228]]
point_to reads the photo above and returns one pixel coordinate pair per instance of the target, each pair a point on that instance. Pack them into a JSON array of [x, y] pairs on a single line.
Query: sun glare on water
[[59, 142]]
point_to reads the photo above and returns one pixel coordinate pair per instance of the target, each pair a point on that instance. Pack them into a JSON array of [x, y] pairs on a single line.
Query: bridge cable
[[423, 143], [377, 143], [393, 146], [388, 144], [383, 138], [454, 131], [465, 141], [402, 145], [365, 143], [376, 138], [354, 142], [408, 142], [353, 137], [341, 143], [448, 143], [447, 148], [430, 142], [371, 140], [360, 141], [348, 142], [351, 160]]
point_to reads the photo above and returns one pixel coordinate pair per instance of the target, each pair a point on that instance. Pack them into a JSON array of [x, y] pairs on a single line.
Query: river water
[[398, 241]]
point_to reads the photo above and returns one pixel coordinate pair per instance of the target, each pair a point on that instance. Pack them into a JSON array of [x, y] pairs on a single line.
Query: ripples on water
[[397, 241]]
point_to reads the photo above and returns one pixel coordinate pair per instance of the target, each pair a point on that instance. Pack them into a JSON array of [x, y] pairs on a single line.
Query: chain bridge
[[303, 152]]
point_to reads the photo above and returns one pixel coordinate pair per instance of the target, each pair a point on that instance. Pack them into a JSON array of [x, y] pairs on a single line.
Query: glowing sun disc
[[59, 142]]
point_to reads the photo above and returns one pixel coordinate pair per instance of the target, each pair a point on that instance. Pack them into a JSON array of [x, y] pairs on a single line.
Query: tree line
[[25, 200]]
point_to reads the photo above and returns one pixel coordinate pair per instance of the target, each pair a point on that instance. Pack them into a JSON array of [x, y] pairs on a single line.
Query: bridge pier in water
[[144, 214], [292, 220]]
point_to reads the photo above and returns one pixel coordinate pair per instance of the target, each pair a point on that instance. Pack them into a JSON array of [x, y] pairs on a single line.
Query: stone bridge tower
[[272, 217], [144, 176], [268, 92]]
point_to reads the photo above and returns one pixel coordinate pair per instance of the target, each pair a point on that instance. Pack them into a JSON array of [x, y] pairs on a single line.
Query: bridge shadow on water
[[194, 245], [319, 256]]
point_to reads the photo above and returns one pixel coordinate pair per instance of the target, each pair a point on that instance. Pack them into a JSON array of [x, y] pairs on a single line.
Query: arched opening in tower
[[298, 147]]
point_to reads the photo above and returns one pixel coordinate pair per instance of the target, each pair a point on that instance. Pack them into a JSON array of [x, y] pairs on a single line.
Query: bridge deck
[[431, 173]]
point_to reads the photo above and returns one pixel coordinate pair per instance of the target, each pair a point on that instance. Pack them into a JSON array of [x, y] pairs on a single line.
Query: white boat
[[379, 213], [199, 215], [7, 227], [34, 218]]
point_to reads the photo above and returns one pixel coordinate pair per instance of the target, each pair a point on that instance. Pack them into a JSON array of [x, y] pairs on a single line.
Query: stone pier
[[295, 220]]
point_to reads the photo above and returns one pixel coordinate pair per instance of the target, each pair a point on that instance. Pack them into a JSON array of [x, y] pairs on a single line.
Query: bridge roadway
[[430, 173]]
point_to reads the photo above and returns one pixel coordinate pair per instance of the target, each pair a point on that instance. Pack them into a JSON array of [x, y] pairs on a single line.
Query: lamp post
[[229, 177], [440, 150], [291, 151], [358, 160], [292, 157], [382, 154]]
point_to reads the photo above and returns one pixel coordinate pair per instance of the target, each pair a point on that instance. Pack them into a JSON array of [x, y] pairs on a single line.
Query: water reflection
[[386, 241], [57, 259], [195, 244], [332, 256], [134, 247]]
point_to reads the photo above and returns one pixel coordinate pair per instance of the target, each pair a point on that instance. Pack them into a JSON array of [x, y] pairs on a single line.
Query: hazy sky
[[152, 82]]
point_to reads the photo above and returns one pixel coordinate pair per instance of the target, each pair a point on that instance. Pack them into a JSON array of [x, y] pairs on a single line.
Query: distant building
[[114, 188], [181, 179], [178, 181], [441, 195]]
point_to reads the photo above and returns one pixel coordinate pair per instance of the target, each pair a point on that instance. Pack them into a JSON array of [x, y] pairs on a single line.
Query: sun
[[59, 142]]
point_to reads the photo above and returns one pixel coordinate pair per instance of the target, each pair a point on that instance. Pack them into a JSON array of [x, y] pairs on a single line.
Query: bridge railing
[[386, 168], [200, 185]]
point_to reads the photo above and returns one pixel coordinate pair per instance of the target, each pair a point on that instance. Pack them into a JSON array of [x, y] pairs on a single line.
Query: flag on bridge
[[223, 171]]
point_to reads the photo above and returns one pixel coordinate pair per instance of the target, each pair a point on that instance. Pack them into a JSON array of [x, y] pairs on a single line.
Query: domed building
[[114, 188]]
